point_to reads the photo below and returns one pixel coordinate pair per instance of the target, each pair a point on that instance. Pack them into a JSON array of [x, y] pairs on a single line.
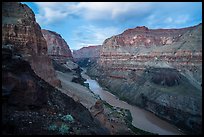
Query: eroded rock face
[[159, 70], [59, 52], [136, 49], [21, 31], [58, 49], [87, 55]]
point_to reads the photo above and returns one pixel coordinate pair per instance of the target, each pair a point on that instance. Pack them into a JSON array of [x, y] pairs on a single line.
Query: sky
[[90, 23]]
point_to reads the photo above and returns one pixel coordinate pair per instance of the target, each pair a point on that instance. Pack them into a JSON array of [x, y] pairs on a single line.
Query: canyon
[[156, 69], [36, 98], [48, 90]]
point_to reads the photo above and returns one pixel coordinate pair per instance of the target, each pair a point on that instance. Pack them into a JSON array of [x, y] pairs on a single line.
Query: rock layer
[[136, 49], [21, 32]]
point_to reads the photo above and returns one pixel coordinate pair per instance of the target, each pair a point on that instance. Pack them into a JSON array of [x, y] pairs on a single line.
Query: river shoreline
[[172, 129]]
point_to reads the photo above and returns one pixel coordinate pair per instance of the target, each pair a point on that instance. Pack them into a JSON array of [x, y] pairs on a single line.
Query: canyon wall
[[87, 55], [22, 34], [136, 49], [58, 49], [157, 69], [60, 53]]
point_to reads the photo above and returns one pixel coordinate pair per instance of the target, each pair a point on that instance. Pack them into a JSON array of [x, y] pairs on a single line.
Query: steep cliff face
[[21, 32], [87, 55], [136, 49], [59, 52], [58, 49], [159, 70]]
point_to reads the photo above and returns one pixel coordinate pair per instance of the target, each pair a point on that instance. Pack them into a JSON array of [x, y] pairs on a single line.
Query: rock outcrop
[[21, 32], [159, 70], [31, 106], [58, 49], [87, 55]]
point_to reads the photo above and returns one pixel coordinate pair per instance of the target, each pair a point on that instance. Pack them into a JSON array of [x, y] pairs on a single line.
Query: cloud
[[112, 10], [147, 13], [174, 15], [92, 35], [90, 23], [51, 12]]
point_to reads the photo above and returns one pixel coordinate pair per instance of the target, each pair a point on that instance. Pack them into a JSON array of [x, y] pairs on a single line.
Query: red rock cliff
[[138, 48], [21, 32], [58, 49]]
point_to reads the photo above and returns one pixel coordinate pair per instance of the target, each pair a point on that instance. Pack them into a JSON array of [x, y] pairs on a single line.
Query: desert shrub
[[64, 129], [68, 118], [52, 127]]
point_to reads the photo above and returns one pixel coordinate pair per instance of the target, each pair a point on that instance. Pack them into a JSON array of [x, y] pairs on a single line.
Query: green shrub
[[64, 129], [68, 118], [52, 127]]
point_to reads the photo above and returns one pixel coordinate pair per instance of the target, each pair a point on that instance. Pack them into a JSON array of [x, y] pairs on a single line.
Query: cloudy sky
[[90, 23]]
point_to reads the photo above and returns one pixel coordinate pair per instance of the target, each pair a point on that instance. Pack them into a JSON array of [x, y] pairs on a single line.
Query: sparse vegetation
[[52, 127], [64, 129], [68, 118]]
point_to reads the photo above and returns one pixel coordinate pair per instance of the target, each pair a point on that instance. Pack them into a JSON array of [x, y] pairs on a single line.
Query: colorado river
[[141, 118]]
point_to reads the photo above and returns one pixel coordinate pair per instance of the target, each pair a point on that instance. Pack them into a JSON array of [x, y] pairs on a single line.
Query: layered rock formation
[[59, 52], [136, 49], [21, 32], [87, 55], [58, 49], [159, 70]]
